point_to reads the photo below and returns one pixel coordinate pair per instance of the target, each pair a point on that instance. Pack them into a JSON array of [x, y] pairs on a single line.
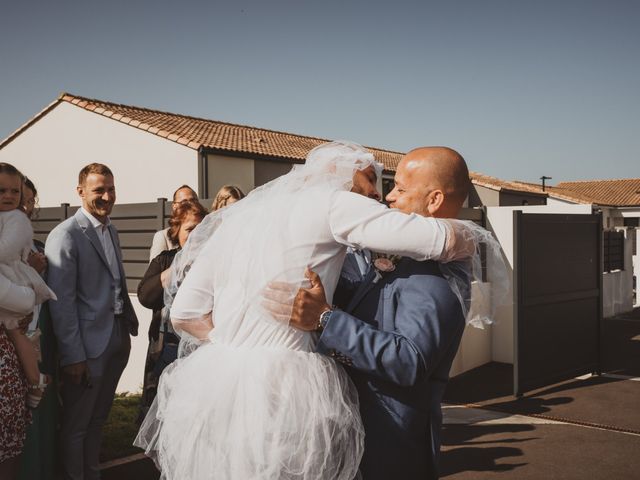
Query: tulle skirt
[[267, 413]]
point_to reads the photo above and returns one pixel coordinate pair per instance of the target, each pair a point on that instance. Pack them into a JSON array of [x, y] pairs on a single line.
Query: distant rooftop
[[607, 193]]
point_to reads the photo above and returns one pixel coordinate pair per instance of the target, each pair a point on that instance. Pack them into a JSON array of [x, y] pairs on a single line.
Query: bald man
[[398, 331]]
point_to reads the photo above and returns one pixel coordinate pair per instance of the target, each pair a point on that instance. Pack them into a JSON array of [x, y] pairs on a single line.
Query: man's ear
[[435, 199], [80, 190]]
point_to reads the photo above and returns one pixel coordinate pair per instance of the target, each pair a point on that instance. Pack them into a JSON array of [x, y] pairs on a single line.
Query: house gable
[[64, 138]]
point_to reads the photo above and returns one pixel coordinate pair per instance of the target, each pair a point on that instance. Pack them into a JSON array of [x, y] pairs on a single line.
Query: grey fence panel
[[135, 225], [135, 240], [135, 210], [132, 284], [42, 237], [51, 213], [136, 269], [133, 255], [44, 226]]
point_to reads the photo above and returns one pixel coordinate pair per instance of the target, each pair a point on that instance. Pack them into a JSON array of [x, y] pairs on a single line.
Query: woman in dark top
[[40, 454], [162, 341]]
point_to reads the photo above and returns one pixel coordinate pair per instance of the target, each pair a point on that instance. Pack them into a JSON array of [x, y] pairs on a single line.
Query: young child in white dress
[[16, 237]]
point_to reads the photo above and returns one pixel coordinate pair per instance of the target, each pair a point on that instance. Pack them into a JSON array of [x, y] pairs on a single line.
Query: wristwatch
[[323, 319]]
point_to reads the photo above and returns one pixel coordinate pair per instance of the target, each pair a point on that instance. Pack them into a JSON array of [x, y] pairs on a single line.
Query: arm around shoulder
[[361, 222]]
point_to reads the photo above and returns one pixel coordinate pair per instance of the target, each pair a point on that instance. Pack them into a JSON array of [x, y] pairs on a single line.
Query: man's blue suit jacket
[[398, 344]]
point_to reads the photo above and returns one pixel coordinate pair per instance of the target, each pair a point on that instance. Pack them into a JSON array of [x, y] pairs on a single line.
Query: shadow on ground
[[465, 451]]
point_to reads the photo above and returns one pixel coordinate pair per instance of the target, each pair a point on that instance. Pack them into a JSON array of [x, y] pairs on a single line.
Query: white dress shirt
[[102, 230], [363, 258]]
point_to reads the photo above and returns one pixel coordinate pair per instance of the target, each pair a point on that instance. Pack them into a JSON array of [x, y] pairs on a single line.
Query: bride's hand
[[196, 327]]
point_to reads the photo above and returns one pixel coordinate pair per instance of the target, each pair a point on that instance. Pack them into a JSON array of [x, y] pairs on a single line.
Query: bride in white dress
[[254, 401]]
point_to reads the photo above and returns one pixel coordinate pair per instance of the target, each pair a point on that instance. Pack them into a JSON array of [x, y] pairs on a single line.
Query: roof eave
[[245, 154], [32, 120]]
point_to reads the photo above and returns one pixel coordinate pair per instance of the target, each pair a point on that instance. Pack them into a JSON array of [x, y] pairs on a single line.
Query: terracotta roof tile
[[618, 193], [556, 192], [503, 185]]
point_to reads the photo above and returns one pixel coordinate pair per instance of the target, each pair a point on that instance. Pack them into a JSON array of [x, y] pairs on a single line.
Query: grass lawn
[[121, 428]]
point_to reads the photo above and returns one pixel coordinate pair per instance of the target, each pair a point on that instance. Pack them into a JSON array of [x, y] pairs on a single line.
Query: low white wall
[[474, 350], [132, 377]]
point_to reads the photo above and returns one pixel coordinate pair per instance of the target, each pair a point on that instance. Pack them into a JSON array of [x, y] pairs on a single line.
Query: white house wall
[[53, 150], [133, 375], [556, 201], [629, 212]]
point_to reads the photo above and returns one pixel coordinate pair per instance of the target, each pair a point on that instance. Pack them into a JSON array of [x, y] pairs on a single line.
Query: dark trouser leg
[[86, 409], [106, 391], [78, 404]]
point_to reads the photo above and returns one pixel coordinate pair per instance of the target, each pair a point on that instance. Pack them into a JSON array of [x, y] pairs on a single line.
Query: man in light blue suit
[[92, 319], [399, 331]]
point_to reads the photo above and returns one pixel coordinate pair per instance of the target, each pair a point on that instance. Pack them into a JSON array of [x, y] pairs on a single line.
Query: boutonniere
[[385, 263]]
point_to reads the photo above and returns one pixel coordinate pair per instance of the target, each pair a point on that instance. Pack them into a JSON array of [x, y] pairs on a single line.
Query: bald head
[[431, 181]]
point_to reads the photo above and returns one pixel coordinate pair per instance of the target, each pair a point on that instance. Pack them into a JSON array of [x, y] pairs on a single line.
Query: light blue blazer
[[80, 276]]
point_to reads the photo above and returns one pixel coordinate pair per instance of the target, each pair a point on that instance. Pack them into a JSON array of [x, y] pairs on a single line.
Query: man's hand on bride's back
[[299, 309]]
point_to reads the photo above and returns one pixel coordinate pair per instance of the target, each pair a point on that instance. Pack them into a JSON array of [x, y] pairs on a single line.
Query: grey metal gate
[[557, 277]]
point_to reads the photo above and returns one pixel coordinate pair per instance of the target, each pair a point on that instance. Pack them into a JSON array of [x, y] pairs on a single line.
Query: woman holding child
[[21, 289]]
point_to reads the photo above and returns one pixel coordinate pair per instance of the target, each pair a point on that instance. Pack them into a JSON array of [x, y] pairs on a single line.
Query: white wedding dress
[[255, 401]]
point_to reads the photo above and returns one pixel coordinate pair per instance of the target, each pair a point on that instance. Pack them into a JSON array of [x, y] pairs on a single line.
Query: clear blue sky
[[520, 88]]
